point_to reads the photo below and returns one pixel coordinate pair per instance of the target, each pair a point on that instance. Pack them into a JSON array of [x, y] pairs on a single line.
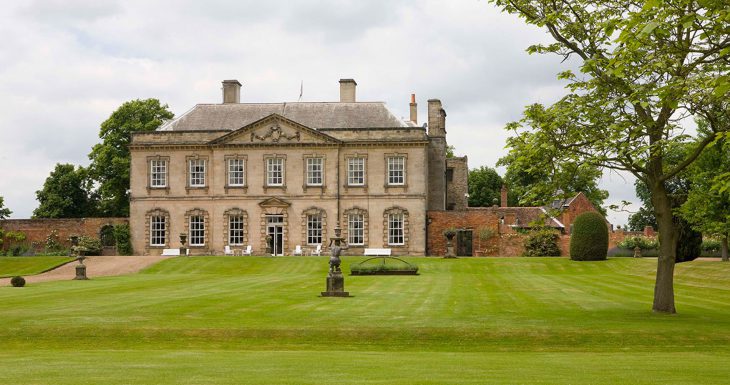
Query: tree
[[484, 187], [110, 159], [65, 194], [4, 211], [645, 215], [646, 66], [707, 209], [534, 181]]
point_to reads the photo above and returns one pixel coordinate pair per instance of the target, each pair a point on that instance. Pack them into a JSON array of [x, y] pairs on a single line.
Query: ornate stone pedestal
[[81, 270], [335, 285]]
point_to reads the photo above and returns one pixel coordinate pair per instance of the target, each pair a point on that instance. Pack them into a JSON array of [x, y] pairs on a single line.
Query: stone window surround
[[305, 184], [166, 188], [243, 157], [314, 211], [266, 172], [206, 227], [347, 184], [386, 182], [406, 227], [148, 223], [188, 158], [365, 224], [235, 211]]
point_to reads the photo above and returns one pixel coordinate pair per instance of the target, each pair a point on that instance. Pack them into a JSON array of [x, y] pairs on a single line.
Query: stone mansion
[[278, 175]]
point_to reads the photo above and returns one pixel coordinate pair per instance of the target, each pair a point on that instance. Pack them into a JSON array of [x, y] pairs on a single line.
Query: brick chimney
[[347, 90], [231, 91], [504, 196], [414, 110]]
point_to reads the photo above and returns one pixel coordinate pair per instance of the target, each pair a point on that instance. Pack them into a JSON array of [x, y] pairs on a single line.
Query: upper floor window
[[396, 170], [158, 173], [356, 171], [158, 230], [236, 174], [197, 230], [196, 172], [274, 171], [315, 167]]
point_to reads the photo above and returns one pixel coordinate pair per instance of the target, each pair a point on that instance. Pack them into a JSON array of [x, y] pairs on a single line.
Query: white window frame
[[355, 166], [355, 231], [196, 229], [236, 172], [158, 173], [315, 171], [396, 229], [158, 230], [314, 229], [396, 170], [271, 178], [196, 172], [236, 225]]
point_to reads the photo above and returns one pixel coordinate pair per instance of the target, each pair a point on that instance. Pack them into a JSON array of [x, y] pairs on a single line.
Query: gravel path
[[95, 267]]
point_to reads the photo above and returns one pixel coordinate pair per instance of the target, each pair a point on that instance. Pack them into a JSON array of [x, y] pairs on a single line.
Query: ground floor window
[[314, 229], [235, 230], [356, 229], [395, 229], [158, 229], [197, 230]]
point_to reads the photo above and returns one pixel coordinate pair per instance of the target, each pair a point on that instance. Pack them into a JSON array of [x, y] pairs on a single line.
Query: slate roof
[[524, 215], [233, 116]]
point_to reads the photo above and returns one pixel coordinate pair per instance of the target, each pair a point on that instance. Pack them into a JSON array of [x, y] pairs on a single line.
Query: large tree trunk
[[723, 247], [664, 286]]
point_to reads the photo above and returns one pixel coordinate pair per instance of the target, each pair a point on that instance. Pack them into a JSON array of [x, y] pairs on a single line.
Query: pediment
[[274, 202], [274, 130]]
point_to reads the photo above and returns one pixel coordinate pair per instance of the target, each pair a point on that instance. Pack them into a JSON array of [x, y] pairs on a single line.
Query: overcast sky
[[65, 65]]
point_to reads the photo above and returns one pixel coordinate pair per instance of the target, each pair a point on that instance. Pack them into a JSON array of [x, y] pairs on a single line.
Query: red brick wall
[[578, 206], [36, 230], [472, 219]]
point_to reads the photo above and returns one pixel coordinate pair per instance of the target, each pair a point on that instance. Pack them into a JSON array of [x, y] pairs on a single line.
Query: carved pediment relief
[[274, 202], [274, 129]]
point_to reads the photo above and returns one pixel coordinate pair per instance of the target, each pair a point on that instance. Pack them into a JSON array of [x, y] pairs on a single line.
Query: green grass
[[222, 320], [11, 266]]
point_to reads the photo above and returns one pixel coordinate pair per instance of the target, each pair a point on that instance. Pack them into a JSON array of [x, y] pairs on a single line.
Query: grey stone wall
[[457, 173]]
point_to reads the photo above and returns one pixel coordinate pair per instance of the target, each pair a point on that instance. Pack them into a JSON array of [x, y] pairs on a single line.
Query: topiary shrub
[[589, 241], [689, 242], [88, 246], [542, 243], [17, 281]]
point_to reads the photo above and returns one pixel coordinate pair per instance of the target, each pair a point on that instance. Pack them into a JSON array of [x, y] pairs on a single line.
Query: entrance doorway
[[464, 243], [275, 231]]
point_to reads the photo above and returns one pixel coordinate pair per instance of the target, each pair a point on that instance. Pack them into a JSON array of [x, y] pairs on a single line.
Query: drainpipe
[[337, 224]]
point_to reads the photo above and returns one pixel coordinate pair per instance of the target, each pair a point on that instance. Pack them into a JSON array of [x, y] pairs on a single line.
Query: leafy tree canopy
[[65, 194], [645, 67], [484, 187], [4, 211], [110, 159]]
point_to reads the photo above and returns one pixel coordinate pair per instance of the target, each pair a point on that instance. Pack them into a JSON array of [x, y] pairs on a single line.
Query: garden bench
[[173, 252], [377, 252]]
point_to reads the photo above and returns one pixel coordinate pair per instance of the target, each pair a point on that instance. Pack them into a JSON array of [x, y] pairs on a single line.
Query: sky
[[66, 65]]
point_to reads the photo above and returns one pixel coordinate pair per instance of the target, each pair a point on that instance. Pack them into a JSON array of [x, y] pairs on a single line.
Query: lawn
[[10, 266], [224, 320]]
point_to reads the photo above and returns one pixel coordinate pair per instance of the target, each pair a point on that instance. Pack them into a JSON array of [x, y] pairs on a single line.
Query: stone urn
[[183, 241], [449, 233]]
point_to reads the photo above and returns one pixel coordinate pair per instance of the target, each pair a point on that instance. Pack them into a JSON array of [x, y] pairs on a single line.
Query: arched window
[[396, 227], [314, 226], [157, 228], [356, 226], [235, 227]]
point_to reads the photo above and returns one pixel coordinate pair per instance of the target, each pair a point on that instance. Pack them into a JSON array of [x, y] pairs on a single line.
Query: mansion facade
[[280, 175]]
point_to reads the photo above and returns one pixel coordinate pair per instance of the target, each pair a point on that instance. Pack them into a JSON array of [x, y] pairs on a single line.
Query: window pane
[[314, 229], [158, 173], [355, 226], [235, 230], [275, 172], [158, 230], [235, 172], [197, 230], [396, 170], [197, 172], [356, 171], [395, 229], [314, 171]]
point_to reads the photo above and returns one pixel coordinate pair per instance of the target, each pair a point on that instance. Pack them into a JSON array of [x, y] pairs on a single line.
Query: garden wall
[[37, 230]]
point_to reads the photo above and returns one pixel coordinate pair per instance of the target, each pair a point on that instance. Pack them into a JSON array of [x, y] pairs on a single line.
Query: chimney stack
[[414, 110], [347, 90], [504, 196], [231, 91], [436, 119]]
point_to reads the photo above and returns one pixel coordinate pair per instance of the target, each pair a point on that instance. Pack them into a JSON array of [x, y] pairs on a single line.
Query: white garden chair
[[318, 250], [248, 250], [227, 250], [297, 250]]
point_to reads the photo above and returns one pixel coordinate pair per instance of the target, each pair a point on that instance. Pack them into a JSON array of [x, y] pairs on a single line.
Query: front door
[[464, 243], [275, 231]]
